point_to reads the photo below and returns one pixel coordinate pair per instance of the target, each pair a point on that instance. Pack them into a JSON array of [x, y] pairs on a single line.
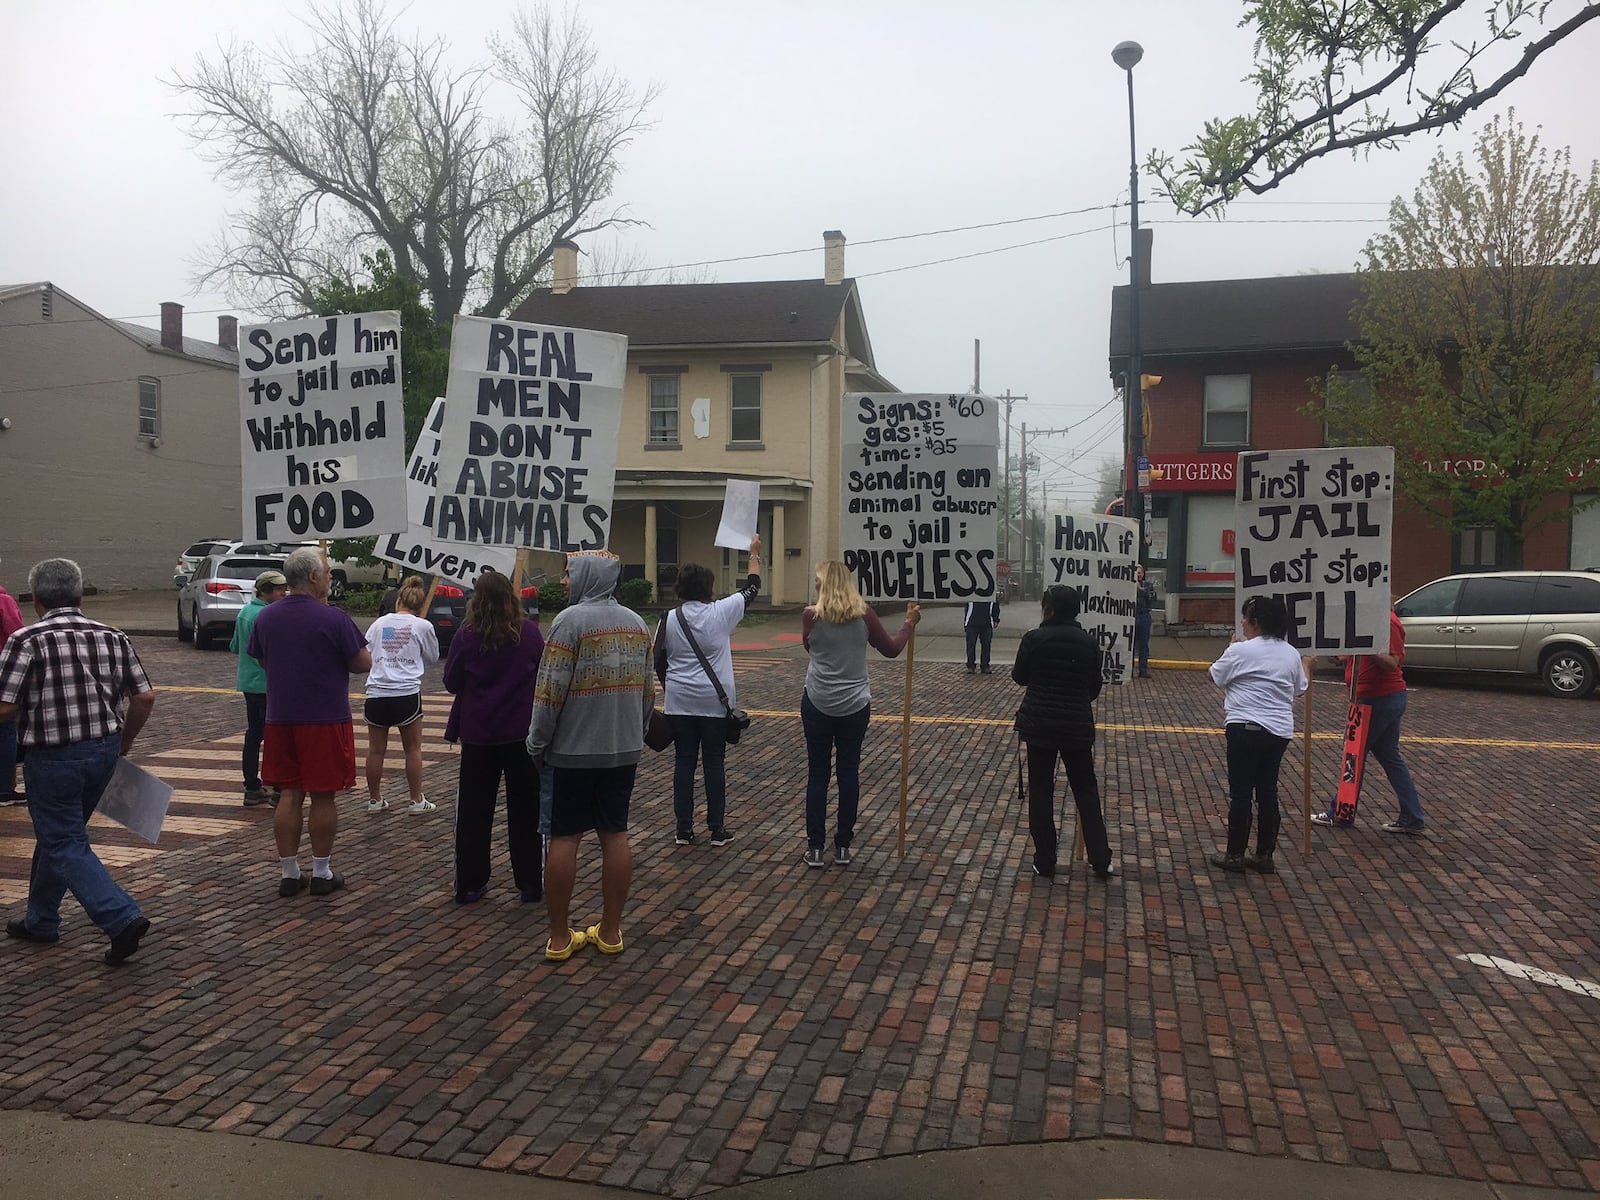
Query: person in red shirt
[[1380, 685]]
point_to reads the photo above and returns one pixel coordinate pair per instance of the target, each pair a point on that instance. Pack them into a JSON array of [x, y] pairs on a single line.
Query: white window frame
[[1209, 406], [657, 406], [150, 422]]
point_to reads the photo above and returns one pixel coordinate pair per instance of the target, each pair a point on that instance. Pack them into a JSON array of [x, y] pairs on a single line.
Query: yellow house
[[726, 380]]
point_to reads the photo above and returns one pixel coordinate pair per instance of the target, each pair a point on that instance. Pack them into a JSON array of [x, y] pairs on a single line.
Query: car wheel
[[185, 632], [1568, 672], [336, 586], [202, 635]]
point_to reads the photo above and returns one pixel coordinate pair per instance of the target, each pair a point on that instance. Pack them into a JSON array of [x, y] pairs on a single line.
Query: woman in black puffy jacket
[[1059, 664]]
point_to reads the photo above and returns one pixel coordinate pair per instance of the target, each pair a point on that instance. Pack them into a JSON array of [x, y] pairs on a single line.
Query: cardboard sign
[[417, 549], [528, 453], [322, 428], [1097, 557], [1353, 763], [918, 501], [1313, 527]]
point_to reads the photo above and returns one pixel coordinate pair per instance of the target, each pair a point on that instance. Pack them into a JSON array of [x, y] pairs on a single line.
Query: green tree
[[1480, 336], [1348, 75]]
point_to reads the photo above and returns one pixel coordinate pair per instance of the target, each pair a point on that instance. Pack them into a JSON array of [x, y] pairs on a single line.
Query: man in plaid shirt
[[65, 677]]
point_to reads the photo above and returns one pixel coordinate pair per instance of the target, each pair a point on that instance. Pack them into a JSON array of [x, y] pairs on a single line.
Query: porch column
[[775, 553], [650, 547]]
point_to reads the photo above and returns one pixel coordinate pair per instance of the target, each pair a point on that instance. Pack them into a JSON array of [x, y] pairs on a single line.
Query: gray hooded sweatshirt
[[595, 692]]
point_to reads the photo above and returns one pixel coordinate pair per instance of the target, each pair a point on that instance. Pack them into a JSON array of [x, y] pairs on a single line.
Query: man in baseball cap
[[252, 682]]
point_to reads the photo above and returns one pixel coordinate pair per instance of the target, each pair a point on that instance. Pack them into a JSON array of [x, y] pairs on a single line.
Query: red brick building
[[1237, 358]]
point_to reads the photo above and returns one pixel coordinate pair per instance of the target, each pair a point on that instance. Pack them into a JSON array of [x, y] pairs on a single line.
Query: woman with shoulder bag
[[698, 690]]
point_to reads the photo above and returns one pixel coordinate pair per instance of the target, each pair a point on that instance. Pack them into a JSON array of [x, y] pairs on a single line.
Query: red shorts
[[310, 758]]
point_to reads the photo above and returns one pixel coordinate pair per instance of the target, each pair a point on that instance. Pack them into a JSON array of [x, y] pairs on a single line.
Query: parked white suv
[[344, 571]]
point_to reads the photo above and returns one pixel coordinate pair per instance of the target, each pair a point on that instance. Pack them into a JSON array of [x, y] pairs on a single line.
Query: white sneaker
[[377, 805], [422, 806]]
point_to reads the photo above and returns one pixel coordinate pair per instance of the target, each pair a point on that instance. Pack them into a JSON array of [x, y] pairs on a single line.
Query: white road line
[[1534, 974]]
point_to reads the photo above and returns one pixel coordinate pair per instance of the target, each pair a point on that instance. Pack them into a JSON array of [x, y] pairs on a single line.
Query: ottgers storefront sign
[[1191, 472]]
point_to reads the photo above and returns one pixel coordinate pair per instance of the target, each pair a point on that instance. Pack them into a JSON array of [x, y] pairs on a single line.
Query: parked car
[[1543, 623], [189, 559], [344, 571], [221, 585]]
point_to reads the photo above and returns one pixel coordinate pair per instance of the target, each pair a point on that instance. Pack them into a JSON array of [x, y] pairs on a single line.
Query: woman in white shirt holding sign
[[402, 645], [1260, 674]]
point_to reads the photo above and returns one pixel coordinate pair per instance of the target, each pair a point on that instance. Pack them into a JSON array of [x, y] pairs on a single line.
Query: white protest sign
[[417, 549], [136, 800], [1097, 557], [322, 428], [740, 507], [918, 504], [528, 453], [1314, 528]]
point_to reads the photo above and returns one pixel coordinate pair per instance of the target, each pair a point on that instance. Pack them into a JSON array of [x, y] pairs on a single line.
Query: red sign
[[1002, 569], [1227, 541], [1192, 472], [1353, 763]]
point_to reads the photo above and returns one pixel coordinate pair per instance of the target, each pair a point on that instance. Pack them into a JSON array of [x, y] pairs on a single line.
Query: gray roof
[[1289, 312], [192, 347]]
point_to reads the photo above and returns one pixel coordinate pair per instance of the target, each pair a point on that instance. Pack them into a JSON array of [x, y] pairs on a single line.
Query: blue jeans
[[8, 759], [980, 631], [1383, 744], [823, 733], [64, 785], [695, 739], [1141, 641], [255, 729]]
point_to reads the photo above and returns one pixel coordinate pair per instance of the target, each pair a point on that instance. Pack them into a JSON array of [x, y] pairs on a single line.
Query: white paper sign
[[1314, 528], [741, 504], [136, 800], [918, 503], [417, 549], [322, 428], [528, 453], [1097, 557]]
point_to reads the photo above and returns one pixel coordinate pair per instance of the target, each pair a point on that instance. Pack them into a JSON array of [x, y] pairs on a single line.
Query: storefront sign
[[1190, 472]]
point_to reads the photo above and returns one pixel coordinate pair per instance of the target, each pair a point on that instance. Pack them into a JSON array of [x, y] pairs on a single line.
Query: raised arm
[[878, 637]]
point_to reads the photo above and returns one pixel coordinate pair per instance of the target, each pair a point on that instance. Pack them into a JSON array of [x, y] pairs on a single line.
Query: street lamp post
[[1127, 55]]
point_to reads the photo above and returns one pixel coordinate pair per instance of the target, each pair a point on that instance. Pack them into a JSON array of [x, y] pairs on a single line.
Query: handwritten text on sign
[[417, 548], [1314, 527], [322, 430], [528, 453], [918, 504], [1096, 557]]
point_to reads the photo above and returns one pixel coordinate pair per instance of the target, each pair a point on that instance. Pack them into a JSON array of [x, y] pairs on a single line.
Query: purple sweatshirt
[[493, 688]]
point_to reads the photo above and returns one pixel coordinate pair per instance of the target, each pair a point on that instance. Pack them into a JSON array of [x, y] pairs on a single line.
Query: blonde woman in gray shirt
[[837, 704]]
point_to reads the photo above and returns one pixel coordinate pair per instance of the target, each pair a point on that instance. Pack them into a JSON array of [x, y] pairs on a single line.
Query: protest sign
[[136, 800], [1097, 557], [417, 549], [1353, 763], [528, 453], [322, 432], [741, 505], [918, 502], [1313, 527]]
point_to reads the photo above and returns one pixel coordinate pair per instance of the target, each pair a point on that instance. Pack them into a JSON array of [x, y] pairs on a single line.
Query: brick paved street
[[766, 1018]]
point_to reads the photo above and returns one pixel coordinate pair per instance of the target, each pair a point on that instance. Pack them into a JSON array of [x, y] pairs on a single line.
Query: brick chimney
[[565, 277], [832, 256], [228, 332], [172, 325]]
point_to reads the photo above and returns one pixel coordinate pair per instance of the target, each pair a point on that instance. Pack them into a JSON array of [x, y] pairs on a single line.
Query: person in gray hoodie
[[591, 704]]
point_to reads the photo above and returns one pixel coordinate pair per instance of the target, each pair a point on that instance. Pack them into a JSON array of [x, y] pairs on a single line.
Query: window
[[1566, 594], [746, 422], [149, 408], [1227, 415], [1346, 389], [1435, 600], [1208, 554], [1498, 596], [663, 410], [1478, 548]]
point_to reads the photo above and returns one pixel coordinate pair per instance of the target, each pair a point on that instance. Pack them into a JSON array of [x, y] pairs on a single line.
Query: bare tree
[[613, 264], [1346, 75], [371, 139]]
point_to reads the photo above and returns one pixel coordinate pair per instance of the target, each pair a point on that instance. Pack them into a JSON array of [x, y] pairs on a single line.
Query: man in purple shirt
[[309, 650]]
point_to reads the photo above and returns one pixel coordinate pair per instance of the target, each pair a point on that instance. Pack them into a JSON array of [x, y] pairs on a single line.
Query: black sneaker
[[256, 796], [985, 670], [1260, 862], [971, 669], [1043, 874], [1107, 871], [292, 887], [841, 855], [19, 930], [721, 837], [1228, 862], [814, 859], [125, 943], [685, 837], [323, 887]]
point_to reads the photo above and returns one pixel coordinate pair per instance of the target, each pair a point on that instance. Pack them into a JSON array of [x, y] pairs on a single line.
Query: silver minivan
[[1544, 623]]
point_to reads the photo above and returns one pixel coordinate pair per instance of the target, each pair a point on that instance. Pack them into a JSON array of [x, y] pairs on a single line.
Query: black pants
[[1254, 756], [1042, 805], [255, 708], [482, 768]]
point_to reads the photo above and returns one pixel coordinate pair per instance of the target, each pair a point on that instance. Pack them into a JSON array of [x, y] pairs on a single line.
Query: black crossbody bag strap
[[698, 653]]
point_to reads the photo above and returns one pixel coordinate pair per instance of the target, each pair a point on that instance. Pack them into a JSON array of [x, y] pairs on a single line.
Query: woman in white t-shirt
[[402, 645], [1260, 674], [689, 699]]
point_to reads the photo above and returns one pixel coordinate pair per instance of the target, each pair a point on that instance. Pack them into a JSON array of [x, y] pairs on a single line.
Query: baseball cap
[[270, 579]]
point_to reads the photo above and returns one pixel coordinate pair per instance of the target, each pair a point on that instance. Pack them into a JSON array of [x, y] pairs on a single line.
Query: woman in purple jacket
[[491, 668]]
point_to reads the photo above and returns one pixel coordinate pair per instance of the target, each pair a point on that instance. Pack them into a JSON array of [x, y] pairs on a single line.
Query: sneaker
[[473, 896], [1400, 827], [971, 669], [1323, 818], [277, 794], [841, 856], [16, 798], [322, 887], [1043, 874], [19, 930], [1145, 675], [377, 805], [814, 859], [422, 806], [685, 837], [721, 837], [986, 670], [293, 887], [1107, 871], [1228, 862], [256, 796], [125, 943], [1260, 862]]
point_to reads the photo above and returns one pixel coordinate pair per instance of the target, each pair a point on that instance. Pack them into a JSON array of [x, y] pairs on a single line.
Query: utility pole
[[976, 374], [1027, 532], [1005, 480]]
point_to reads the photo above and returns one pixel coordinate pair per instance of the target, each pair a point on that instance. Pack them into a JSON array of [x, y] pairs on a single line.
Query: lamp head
[[1127, 55]]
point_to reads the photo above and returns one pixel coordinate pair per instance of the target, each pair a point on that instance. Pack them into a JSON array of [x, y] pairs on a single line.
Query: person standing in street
[[65, 678], [1144, 603], [402, 645], [1059, 665], [1380, 683], [10, 622], [982, 618], [309, 649], [251, 682], [590, 708]]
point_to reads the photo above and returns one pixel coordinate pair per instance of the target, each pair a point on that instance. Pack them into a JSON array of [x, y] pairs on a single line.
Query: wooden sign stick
[[905, 735], [1305, 772]]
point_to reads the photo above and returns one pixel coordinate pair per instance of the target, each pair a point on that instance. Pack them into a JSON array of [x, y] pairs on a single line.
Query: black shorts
[[393, 712], [586, 799]]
